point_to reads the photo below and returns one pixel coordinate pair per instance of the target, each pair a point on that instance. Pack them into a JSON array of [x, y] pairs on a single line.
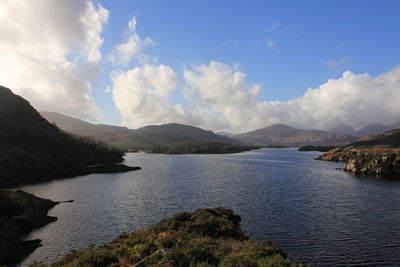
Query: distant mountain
[[281, 134], [32, 149], [372, 129], [343, 129], [124, 138]]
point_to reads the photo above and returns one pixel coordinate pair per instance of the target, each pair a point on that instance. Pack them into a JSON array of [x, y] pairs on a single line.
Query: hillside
[[32, 149], [204, 238], [129, 139], [375, 154], [281, 134]]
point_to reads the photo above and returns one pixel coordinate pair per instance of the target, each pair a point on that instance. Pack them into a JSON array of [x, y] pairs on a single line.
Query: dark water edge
[[314, 212]]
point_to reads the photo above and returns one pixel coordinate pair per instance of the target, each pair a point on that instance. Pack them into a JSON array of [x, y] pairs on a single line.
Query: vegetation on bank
[[32, 149], [20, 213], [206, 237], [200, 148]]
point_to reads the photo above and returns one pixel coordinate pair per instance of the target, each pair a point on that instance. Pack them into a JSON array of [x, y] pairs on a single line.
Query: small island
[[200, 148], [206, 237], [316, 148]]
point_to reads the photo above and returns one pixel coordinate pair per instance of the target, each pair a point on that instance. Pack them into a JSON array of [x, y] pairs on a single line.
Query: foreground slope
[[32, 149], [281, 134], [206, 237], [145, 137], [375, 154]]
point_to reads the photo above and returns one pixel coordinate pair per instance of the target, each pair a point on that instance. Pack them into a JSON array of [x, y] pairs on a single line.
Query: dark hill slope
[[32, 149], [146, 137], [281, 134]]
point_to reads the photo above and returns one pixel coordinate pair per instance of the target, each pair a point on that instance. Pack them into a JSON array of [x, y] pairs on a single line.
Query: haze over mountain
[[343, 129], [124, 138], [370, 129], [281, 134]]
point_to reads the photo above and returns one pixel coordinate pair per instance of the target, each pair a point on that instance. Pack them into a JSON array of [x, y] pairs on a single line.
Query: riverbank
[[206, 237], [20, 213]]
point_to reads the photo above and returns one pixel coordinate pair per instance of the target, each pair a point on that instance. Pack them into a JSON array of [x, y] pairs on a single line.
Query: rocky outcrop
[[20, 213], [366, 160], [374, 163], [339, 154]]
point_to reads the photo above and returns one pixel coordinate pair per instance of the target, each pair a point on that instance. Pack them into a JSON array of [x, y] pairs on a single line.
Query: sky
[[230, 66]]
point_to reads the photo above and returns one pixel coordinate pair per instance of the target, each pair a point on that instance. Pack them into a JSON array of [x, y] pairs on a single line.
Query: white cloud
[[344, 61], [356, 99], [273, 27], [142, 95], [50, 52], [124, 53], [270, 43]]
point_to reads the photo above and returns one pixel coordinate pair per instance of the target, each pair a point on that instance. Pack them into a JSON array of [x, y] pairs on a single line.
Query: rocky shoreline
[[20, 213], [367, 161]]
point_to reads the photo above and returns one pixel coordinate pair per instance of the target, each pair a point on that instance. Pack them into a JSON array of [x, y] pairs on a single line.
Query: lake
[[315, 212]]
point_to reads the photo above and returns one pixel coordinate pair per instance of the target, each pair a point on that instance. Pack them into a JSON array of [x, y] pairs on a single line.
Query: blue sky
[[285, 46], [306, 35]]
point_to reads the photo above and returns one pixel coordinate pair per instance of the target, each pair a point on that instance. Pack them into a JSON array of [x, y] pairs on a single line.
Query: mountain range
[[174, 133], [370, 129], [281, 134], [129, 139]]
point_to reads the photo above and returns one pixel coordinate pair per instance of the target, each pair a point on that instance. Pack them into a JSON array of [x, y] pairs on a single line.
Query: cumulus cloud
[[142, 95], [50, 52], [124, 53], [355, 99]]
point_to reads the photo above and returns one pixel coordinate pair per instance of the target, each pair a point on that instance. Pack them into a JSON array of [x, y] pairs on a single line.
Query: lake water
[[316, 213]]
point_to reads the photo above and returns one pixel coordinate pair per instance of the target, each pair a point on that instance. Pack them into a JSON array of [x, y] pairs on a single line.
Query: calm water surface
[[316, 213]]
